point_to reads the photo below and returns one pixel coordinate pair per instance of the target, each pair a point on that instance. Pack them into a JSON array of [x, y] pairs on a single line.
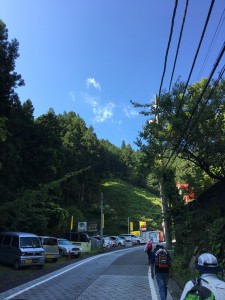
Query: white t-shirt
[[216, 285]]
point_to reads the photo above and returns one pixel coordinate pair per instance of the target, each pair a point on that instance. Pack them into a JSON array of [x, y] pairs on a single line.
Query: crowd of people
[[207, 286]]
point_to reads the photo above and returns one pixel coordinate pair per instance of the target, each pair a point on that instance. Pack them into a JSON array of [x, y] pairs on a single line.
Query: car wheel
[[61, 253], [138, 242], [16, 265]]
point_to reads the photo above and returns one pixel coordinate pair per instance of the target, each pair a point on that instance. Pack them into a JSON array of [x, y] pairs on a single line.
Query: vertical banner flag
[[142, 225], [102, 221], [71, 223], [131, 226]]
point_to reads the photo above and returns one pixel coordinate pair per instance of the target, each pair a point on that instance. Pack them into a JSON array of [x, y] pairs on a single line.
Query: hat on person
[[207, 263]]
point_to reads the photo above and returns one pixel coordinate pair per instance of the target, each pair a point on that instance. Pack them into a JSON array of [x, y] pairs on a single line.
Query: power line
[[198, 101], [219, 26], [168, 45], [207, 100], [178, 46], [196, 54], [194, 61]]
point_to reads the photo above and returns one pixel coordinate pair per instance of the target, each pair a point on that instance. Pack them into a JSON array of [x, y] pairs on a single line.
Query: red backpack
[[149, 246], [162, 259]]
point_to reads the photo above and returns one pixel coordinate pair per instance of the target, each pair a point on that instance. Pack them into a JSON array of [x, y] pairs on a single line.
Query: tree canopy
[[190, 126]]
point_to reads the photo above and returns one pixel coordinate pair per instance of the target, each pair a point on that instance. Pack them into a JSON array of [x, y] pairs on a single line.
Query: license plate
[[49, 256], [28, 261]]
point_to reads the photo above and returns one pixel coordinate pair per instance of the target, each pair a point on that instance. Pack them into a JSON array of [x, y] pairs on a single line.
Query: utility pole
[[162, 184], [102, 219], [165, 212]]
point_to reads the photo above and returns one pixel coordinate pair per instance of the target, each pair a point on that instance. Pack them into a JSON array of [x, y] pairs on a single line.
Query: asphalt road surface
[[122, 274]]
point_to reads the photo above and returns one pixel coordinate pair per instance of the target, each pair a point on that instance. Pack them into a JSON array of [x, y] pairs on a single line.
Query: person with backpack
[[208, 285], [148, 250], [160, 266]]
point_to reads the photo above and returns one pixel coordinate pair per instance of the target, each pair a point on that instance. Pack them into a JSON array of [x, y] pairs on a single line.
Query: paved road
[[120, 275]]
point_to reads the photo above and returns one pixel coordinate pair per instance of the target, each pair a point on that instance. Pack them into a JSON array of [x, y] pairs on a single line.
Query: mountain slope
[[124, 202]]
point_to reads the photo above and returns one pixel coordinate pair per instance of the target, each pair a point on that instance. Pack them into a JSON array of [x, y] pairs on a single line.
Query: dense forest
[[54, 166]]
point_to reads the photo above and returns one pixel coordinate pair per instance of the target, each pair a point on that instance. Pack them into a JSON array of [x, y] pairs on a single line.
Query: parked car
[[21, 249], [66, 248], [139, 240], [122, 238], [51, 247], [128, 238], [118, 240], [108, 242]]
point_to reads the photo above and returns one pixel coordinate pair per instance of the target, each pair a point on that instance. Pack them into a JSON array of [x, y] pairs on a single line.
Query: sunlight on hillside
[[123, 200]]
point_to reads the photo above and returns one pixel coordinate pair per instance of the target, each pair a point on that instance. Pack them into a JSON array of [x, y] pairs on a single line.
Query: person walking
[[148, 250], [160, 266], [208, 283]]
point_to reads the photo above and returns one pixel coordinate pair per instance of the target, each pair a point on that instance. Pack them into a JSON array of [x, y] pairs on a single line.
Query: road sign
[[82, 226]]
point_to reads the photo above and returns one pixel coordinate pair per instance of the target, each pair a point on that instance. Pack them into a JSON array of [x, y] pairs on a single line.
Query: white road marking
[[152, 286], [58, 274]]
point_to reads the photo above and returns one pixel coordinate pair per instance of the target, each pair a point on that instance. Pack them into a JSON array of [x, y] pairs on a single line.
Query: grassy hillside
[[121, 201]]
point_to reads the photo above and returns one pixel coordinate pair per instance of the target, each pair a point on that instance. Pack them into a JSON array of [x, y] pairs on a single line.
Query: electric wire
[[197, 103], [178, 46], [196, 55], [205, 103], [219, 26], [194, 61], [168, 45]]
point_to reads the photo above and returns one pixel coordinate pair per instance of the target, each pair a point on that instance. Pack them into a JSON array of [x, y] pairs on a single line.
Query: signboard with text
[[82, 226], [92, 227]]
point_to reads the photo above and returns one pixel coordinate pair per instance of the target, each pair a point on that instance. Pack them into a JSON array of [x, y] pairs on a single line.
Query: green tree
[[195, 124], [9, 79]]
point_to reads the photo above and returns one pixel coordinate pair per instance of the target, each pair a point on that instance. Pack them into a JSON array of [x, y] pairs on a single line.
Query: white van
[[21, 249], [51, 247]]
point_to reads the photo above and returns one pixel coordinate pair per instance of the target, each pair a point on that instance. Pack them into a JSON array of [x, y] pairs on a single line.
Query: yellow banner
[[71, 223], [102, 221], [131, 226], [142, 224], [137, 232]]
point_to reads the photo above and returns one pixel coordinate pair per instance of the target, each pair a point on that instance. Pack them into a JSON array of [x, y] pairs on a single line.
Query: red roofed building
[[186, 191]]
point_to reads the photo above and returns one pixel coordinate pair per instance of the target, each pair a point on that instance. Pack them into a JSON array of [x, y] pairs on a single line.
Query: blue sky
[[94, 56]]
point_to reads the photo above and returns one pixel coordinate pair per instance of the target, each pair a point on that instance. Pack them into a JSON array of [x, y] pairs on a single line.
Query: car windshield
[[30, 242], [65, 242]]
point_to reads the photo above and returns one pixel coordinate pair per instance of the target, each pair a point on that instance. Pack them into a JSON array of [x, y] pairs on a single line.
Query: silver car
[[139, 240], [67, 248], [118, 240], [51, 248]]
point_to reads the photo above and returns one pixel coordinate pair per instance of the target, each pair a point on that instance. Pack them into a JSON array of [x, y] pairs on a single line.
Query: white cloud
[[93, 101], [101, 112], [130, 112], [119, 122], [72, 96], [94, 83]]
